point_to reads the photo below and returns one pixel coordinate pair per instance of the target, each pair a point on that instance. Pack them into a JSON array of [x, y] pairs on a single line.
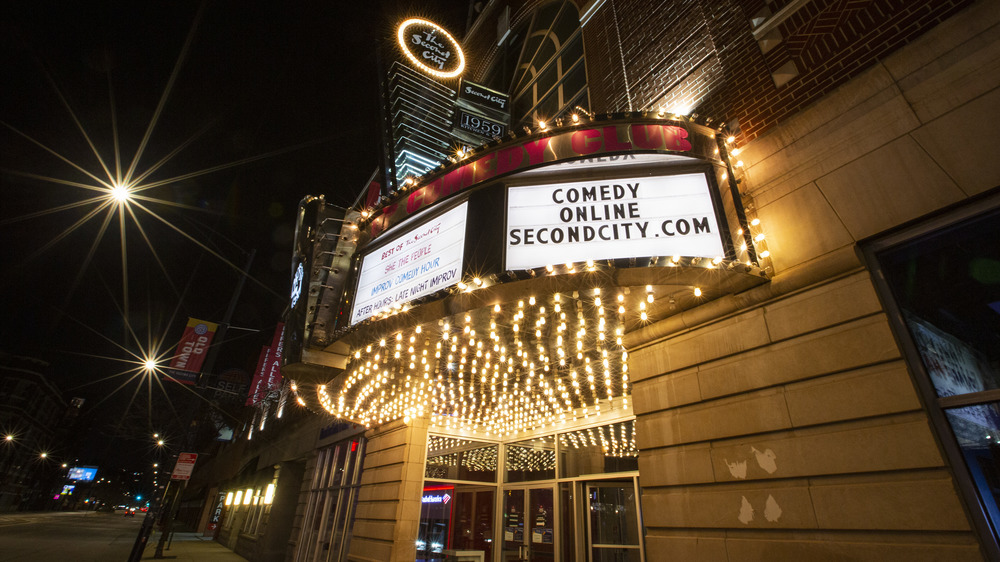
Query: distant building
[[35, 417]]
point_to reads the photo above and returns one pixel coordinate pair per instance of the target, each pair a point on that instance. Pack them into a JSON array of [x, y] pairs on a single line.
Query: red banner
[[274, 361], [257, 385], [267, 377], [192, 349], [374, 192]]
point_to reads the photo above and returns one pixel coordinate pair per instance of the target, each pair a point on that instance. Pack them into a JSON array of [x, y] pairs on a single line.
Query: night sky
[[279, 99]]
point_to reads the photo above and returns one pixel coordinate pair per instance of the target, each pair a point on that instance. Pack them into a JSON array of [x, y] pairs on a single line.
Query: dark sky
[[281, 97]]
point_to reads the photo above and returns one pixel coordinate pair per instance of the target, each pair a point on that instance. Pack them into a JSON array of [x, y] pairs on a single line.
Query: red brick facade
[[702, 55]]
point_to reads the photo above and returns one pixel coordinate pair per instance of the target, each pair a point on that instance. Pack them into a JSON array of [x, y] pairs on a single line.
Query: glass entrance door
[[613, 522], [528, 525]]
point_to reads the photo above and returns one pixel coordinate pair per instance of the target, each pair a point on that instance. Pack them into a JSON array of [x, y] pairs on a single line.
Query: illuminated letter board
[[609, 219], [426, 259]]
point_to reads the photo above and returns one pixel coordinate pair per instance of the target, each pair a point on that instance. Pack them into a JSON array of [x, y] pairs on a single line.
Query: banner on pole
[[191, 351], [268, 374]]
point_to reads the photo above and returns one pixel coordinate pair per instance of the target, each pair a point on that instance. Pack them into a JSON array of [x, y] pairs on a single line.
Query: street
[[81, 536]]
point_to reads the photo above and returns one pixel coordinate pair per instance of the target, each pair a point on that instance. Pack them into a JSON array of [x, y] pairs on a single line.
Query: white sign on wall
[[608, 219], [427, 258]]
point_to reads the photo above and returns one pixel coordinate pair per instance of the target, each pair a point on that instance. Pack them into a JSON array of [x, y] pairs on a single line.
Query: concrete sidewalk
[[191, 546]]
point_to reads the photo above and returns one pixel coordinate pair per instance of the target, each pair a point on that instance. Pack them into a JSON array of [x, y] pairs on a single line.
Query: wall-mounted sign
[[479, 125], [609, 219], [427, 258], [297, 284], [482, 96], [430, 48]]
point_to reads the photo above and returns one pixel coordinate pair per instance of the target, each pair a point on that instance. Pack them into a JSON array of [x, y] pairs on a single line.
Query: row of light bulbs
[[500, 370], [577, 117], [241, 497]]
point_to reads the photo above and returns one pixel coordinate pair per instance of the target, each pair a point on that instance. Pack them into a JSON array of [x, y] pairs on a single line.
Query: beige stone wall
[[782, 423], [388, 512]]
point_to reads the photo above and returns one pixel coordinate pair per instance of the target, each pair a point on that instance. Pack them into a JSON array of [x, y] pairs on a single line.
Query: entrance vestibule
[[566, 496]]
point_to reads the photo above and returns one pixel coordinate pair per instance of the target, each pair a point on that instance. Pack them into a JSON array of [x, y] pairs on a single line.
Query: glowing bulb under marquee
[[430, 48]]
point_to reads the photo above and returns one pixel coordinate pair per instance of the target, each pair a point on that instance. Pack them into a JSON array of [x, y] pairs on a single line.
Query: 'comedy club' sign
[[535, 152]]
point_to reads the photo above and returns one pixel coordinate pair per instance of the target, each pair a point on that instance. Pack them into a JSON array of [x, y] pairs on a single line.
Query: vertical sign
[[184, 466], [268, 374]]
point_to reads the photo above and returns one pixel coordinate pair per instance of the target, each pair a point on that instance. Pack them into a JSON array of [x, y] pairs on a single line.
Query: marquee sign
[[430, 48], [609, 219], [585, 141], [423, 260]]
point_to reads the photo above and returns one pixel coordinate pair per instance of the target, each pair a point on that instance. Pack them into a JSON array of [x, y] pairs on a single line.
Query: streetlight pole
[[207, 368]]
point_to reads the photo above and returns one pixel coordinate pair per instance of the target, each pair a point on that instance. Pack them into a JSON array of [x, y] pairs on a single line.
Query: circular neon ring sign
[[425, 48]]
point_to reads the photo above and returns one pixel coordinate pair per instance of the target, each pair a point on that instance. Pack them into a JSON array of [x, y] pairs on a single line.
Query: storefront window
[[333, 496], [941, 282], [534, 459], [598, 450], [451, 458], [455, 520], [977, 430]]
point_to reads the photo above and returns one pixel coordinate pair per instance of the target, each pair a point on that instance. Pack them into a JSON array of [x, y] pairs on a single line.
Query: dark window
[[941, 284]]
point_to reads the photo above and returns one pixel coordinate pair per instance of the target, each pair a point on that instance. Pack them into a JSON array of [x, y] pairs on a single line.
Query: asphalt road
[[80, 536]]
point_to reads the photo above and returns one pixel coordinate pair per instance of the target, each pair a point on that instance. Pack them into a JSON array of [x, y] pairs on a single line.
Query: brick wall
[[702, 54]]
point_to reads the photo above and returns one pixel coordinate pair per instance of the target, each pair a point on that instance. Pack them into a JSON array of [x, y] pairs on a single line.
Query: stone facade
[[782, 423], [388, 512]]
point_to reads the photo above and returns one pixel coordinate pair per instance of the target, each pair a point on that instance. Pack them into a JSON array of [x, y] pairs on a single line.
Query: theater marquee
[[424, 259], [609, 219]]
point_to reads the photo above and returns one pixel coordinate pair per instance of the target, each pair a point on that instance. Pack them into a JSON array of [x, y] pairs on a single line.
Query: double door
[[529, 524], [539, 526]]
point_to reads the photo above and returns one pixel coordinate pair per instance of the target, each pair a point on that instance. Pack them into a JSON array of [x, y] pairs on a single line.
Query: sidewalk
[[191, 546]]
